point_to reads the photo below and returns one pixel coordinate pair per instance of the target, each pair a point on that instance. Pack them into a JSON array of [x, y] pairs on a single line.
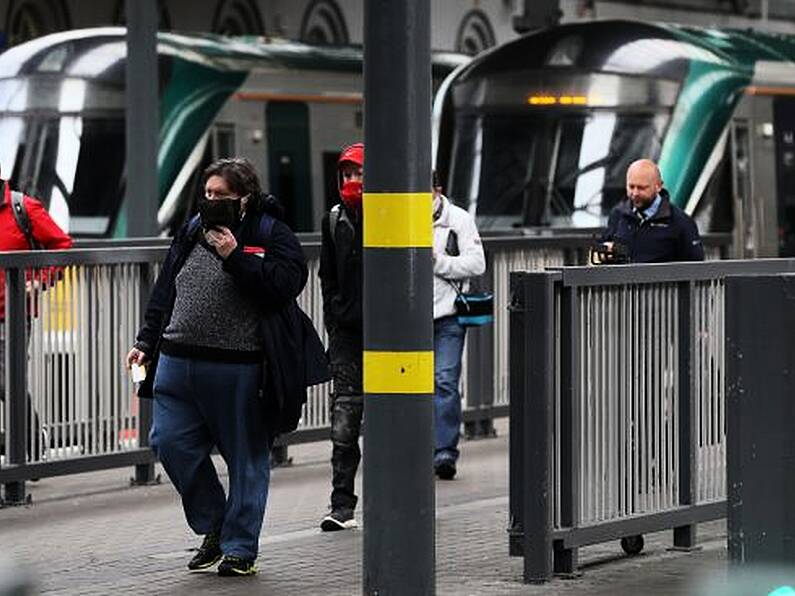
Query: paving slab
[[95, 534]]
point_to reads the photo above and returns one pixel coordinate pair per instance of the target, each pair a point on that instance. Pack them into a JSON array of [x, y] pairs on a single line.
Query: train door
[[289, 166], [784, 127]]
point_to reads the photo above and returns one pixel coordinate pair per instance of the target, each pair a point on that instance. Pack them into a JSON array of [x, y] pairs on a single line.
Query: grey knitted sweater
[[210, 311]]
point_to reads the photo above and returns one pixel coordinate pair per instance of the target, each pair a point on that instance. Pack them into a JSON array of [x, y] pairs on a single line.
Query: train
[[288, 106], [537, 133]]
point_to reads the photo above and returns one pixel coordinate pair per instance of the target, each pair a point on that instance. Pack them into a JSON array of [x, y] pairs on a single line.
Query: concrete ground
[[94, 534]]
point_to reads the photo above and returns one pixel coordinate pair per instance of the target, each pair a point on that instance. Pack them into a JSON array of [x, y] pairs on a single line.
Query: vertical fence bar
[[761, 465], [539, 338], [144, 473], [685, 536], [480, 368], [698, 397], [17, 382], [565, 559], [517, 359]]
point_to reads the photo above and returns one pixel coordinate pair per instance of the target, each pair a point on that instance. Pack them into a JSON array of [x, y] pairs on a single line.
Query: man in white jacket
[[457, 256]]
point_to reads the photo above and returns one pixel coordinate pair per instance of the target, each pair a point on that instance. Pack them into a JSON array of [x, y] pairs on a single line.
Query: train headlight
[[563, 100]]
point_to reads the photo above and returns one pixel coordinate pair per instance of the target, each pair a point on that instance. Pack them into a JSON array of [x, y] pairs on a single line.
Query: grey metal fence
[[617, 405], [83, 312]]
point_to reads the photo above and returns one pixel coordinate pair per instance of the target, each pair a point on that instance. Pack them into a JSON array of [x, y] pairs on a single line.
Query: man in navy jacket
[[652, 229]]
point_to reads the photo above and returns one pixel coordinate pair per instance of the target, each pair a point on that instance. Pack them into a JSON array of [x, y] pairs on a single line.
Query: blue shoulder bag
[[472, 309]]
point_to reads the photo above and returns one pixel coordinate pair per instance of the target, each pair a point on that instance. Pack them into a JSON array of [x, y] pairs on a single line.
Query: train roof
[[99, 53], [634, 47]]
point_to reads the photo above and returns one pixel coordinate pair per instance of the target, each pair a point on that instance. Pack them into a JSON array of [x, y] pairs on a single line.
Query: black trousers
[[347, 406]]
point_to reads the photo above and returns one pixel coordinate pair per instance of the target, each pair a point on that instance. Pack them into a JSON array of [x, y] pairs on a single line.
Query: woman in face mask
[[208, 329]]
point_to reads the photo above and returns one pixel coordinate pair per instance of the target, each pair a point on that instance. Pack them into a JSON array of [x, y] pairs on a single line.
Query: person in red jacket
[[46, 235], [46, 232]]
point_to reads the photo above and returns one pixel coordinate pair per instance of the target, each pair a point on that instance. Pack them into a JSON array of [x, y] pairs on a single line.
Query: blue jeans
[[448, 346], [199, 405]]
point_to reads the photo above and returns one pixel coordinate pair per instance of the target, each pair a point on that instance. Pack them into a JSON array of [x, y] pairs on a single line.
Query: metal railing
[[617, 405], [84, 313]]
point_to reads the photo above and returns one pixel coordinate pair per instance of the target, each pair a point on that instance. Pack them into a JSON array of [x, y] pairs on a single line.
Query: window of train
[[784, 126], [332, 193], [73, 164], [714, 211], [555, 168], [741, 169], [223, 141]]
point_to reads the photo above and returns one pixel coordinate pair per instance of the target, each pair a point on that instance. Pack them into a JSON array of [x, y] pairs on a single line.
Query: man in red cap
[[341, 285]]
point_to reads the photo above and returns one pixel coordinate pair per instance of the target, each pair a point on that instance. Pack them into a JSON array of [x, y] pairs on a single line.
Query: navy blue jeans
[[448, 347], [199, 405]]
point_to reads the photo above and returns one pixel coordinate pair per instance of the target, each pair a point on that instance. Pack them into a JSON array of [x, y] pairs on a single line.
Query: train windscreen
[[73, 164], [564, 171], [539, 148]]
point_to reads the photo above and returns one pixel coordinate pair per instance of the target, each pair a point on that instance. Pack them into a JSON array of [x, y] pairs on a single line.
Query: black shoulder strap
[[333, 218], [23, 221], [336, 215]]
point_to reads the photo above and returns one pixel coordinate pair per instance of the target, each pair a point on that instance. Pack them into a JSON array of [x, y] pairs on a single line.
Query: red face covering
[[351, 194]]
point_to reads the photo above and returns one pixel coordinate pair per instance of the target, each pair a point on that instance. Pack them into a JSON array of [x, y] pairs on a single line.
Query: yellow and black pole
[[399, 548]]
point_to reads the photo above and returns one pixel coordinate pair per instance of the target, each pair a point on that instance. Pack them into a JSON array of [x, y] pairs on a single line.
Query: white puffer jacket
[[469, 263]]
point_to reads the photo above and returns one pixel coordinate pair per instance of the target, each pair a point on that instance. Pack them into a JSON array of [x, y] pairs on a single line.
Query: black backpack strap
[[335, 216], [23, 221]]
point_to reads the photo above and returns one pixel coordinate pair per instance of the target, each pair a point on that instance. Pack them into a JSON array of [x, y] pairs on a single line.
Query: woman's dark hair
[[242, 179], [239, 174]]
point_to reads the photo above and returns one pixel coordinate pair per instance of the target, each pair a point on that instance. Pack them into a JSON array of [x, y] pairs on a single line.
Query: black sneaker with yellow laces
[[232, 566], [209, 553]]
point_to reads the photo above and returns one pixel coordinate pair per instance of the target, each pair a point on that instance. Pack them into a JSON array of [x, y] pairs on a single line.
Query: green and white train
[[540, 131], [289, 107], [536, 132]]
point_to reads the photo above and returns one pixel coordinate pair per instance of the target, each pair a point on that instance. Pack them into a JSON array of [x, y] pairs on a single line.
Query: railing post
[[566, 559], [516, 375], [144, 473], [480, 366], [685, 536], [535, 386], [16, 380], [760, 448]]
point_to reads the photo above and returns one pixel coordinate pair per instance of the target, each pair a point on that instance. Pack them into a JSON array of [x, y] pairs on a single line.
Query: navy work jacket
[[269, 265], [669, 235]]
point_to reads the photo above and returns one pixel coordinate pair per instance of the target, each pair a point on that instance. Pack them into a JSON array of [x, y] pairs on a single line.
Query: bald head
[[644, 182]]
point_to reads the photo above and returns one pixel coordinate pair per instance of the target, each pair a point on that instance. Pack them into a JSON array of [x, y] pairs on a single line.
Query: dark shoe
[[445, 470], [209, 553], [338, 519], [233, 566]]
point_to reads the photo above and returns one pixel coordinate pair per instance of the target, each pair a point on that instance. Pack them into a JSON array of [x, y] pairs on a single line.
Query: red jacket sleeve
[[45, 230]]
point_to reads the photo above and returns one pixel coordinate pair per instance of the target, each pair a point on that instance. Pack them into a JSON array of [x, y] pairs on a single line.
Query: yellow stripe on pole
[[398, 220], [398, 372]]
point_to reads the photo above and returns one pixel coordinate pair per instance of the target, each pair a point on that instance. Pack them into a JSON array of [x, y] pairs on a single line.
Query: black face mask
[[219, 213]]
